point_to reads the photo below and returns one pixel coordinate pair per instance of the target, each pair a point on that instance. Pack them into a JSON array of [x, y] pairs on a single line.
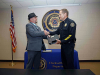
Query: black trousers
[[67, 55], [33, 59]]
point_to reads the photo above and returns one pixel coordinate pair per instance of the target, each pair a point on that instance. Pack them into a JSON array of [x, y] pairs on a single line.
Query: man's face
[[34, 19], [61, 15]]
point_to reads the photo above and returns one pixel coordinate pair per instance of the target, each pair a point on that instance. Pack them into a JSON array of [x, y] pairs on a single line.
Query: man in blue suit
[[34, 42]]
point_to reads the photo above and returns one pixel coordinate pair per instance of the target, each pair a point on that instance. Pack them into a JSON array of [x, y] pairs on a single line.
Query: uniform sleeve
[[72, 29], [30, 31], [56, 32]]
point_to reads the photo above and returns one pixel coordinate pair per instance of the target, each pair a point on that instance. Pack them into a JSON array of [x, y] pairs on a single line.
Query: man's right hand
[[46, 32], [48, 35]]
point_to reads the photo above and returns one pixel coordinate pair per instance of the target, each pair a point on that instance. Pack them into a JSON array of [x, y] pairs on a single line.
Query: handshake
[[46, 32], [52, 39]]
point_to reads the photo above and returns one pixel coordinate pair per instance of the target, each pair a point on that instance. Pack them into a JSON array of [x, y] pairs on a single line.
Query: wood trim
[[23, 60], [89, 60], [11, 60]]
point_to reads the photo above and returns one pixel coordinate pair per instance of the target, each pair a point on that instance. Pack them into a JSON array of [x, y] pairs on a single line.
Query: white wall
[[86, 16]]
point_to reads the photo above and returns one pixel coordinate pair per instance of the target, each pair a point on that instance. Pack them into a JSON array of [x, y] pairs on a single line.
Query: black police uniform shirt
[[67, 31]]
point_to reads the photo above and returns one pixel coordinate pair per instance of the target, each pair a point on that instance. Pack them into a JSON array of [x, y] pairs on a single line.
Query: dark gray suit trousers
[[33, 59]]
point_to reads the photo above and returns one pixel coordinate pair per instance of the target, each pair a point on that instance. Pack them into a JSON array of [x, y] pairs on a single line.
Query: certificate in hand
[[52, 39]]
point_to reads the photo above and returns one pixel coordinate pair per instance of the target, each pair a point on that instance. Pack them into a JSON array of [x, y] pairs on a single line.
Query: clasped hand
[[46, 32]]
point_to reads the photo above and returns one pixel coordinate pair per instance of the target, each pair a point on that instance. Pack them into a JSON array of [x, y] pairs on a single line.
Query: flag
[[12, 33]]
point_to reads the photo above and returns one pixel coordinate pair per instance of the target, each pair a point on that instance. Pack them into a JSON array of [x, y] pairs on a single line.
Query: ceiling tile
[[53, 2], [8, 0], [39, 2], [26, 3], [81, 1], [1, 1], [14, 4], [23, 0], [67, 1], [4, 5], [93, 1]]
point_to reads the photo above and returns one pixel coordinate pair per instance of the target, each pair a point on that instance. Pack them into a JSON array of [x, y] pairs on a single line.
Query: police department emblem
[[43, 63], [51, 21], [72, 25]]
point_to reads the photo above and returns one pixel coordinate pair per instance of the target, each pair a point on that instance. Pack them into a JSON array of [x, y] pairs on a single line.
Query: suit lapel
[[39, 28], [35, 27]]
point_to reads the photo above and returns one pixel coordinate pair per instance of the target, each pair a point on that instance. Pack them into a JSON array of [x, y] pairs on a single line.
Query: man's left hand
[[58, 41]]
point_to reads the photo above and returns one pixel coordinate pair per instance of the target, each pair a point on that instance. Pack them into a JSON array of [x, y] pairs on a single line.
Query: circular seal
[[43, 63], [51, 21]]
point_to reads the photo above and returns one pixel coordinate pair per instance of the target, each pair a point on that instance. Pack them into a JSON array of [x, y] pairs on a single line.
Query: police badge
[[65, 24]]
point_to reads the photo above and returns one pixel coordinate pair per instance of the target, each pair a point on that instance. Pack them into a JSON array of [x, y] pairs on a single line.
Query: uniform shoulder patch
[[72, 24]]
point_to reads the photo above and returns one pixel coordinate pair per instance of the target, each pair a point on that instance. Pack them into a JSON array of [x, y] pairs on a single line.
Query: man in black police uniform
[[67, 30]]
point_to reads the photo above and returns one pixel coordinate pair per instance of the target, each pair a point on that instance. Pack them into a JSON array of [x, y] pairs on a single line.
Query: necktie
[[36, 26]]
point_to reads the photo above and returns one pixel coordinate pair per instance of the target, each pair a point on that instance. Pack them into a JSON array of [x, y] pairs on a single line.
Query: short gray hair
[[65, 11]]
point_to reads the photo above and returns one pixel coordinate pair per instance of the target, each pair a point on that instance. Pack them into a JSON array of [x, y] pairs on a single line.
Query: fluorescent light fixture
[[54, 5]]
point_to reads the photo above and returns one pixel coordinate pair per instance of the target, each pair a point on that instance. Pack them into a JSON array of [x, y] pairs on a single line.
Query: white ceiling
[[27, 3]]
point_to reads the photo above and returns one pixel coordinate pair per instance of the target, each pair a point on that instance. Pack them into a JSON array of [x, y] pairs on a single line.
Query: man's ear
[[65, 14], [30, 19]]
